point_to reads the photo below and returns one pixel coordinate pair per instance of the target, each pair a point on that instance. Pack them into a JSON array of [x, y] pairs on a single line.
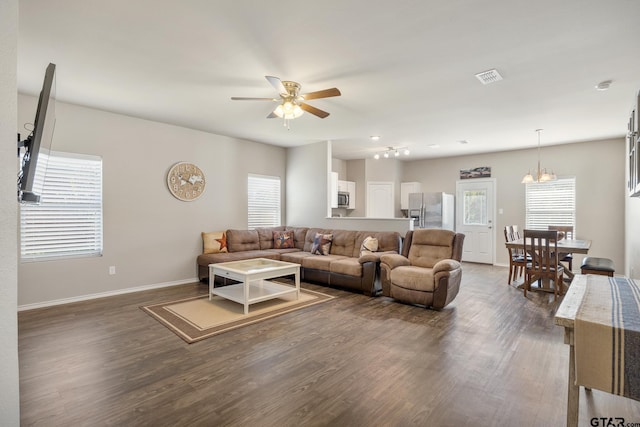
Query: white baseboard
[[105, 294]]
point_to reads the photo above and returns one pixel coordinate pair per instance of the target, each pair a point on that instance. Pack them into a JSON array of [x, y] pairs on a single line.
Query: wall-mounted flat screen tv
[[38, 144]]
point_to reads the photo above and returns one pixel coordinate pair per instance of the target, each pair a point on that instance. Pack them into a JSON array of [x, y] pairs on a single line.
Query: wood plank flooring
[[492, 358]]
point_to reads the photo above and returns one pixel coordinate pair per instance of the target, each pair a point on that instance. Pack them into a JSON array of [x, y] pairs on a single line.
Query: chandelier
[[541, 174], [390, 151]]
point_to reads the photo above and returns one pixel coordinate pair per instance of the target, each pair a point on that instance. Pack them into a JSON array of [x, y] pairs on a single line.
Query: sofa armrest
[[445, 265], [447, 275], [394, 260], [374, 256]]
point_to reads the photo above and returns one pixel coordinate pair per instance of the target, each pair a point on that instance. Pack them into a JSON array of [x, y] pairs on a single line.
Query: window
[[263, 201], [475, 207], [68, 221], [551, 203]]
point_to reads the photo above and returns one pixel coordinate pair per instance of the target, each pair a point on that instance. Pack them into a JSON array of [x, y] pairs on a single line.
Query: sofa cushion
[[214, 242], [349, 266], [388, 241], [265, 236], [299, 234], [428, 246], [320, 262], [413, 278], [284, 251], [243, 240], [206, 259], [293, 255], [343, 242], [322, 244], [283, 239], [311, 235]]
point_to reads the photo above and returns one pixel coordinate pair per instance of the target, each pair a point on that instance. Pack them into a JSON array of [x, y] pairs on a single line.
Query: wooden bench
[[594, 265]]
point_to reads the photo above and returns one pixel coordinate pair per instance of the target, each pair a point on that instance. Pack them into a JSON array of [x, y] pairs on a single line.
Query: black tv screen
[[38, 144]]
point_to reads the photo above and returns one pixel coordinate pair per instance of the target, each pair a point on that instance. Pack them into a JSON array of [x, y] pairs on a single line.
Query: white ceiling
[[406, 69]]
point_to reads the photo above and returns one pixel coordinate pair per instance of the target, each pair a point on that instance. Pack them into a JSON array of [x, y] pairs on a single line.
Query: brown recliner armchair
[[428, 272]]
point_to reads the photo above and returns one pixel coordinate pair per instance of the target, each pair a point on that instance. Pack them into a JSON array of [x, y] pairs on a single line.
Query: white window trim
[[68, 222], [264, 201]]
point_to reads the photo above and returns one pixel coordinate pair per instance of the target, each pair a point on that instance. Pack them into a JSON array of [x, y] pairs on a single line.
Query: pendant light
[[541, 174]]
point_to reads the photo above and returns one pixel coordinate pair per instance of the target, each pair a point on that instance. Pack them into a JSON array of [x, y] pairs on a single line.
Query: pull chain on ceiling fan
[[291, 103]]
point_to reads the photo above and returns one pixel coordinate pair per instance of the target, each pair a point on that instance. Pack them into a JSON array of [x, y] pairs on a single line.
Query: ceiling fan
[[291, 103]]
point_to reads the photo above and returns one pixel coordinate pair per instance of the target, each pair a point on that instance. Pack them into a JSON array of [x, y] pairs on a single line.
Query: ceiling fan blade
[[313, 110], [322, 94], [240, 98], [272, 115], [277, 84]]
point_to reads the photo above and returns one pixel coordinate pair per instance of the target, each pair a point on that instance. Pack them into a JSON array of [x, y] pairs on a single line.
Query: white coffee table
[[253, 275]]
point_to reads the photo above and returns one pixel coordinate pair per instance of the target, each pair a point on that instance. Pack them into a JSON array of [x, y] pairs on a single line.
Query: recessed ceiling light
[[604, 85], [463, 141], [375, 137]]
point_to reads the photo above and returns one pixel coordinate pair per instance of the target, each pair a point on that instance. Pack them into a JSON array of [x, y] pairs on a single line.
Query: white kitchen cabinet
[[407, 188], [351, 188], [343, 186], [334, 189]]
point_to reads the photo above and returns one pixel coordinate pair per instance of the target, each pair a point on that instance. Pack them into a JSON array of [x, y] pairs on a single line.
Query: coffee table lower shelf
[[258, 291]]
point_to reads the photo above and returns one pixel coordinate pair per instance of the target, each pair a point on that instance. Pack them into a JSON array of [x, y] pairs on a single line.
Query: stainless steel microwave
[[343, 199]]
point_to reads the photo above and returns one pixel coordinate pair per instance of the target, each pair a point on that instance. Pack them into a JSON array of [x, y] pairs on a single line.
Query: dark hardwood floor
[[492, 358]]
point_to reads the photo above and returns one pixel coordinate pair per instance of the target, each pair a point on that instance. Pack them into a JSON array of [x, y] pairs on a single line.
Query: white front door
[[475, 203], [380, 200]]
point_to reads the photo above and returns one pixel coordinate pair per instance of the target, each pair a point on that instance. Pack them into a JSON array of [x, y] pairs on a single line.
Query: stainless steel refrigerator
[[432, 210]]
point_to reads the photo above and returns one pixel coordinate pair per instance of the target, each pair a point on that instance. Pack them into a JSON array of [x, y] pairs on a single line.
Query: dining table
[[565, 246]]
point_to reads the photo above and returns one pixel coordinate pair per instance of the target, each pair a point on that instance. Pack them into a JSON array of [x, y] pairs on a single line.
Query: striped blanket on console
[[607, 336]]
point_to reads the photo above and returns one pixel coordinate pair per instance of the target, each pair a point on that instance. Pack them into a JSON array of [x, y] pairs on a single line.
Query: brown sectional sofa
[[342, 267]]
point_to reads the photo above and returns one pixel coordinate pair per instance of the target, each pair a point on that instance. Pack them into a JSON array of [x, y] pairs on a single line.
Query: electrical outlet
[[112, 269]]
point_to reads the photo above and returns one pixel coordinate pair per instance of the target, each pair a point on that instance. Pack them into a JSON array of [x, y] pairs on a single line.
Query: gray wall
[[151, 237], [599, 168], [9, 378]]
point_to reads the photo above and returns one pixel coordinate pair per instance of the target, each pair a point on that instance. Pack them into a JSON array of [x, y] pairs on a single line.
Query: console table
[[608, 305]]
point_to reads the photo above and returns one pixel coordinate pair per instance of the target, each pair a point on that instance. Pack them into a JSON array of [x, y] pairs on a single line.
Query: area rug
[[196, 318]]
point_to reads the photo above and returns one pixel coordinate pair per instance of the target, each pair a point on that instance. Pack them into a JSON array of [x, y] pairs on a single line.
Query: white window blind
[[68, 220], [551, 203], [263, 201]]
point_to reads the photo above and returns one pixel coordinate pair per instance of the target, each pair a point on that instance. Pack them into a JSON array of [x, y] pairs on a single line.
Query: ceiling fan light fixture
[[397, 153], [386, 154], [406, 152], [288, 110], [376, 156]]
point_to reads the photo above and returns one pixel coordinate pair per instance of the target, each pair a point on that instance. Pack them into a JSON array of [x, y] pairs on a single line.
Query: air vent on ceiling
[[489, 76]]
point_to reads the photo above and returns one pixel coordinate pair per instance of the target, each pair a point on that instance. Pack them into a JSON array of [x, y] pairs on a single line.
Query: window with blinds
[[68, 220], [263, 201], [551, 203]]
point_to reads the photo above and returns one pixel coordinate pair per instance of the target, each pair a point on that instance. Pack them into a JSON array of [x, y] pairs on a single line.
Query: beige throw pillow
[[369, 244], [214, 242]]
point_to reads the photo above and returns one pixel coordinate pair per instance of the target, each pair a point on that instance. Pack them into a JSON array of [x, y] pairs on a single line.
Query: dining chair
[[542, 247], [517, 260], [567, 233]]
